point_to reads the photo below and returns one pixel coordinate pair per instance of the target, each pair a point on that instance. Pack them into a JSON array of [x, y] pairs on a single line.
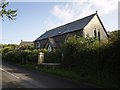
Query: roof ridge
[[81, 25], [71, 22]]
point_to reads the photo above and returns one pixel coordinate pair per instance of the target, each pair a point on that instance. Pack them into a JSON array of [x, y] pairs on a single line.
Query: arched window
[[95, 33], [99, 35], [66, 38], [38, 44], [49, 48]]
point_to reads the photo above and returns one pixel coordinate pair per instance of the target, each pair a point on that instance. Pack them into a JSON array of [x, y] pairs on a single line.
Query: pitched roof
[[70, 27], [24, 43], [52, 42]]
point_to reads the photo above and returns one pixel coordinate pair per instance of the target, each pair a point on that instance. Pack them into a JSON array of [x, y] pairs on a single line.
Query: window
[[95, 33], [98, 35], [67, 37], [49, 48], [38, 44]]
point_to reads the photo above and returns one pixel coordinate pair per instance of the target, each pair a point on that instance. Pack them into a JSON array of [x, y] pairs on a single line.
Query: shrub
[[87, 56], [20, 55], [77, 48], [53, 57], [43, 50], [33, 57]]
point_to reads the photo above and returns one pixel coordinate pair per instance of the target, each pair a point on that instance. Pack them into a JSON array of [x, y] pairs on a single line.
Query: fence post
[[40, 58]]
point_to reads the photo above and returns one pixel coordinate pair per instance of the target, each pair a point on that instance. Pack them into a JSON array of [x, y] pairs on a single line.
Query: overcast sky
[[35, 18]]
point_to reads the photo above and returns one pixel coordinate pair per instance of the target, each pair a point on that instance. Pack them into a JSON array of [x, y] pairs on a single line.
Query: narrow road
[[18, 77]]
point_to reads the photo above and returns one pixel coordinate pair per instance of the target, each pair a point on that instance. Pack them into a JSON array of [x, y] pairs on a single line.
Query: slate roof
[[70, 27], [52, 42], [25, 43]]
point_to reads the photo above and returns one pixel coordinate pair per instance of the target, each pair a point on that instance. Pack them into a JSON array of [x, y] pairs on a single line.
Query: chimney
[[96, 11]]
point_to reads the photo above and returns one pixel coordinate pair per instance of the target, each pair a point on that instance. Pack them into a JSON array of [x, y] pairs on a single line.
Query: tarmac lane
[[14, 76], [18, 80], [10, 81]]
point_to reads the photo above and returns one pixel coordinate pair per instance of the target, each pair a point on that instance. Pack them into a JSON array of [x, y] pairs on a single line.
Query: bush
[[23, 55], [43, 50], [78, 48], [88, 57], [53, 57]]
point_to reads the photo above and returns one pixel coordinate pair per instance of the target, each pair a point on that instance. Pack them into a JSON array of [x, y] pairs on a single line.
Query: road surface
[[14, 76]]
